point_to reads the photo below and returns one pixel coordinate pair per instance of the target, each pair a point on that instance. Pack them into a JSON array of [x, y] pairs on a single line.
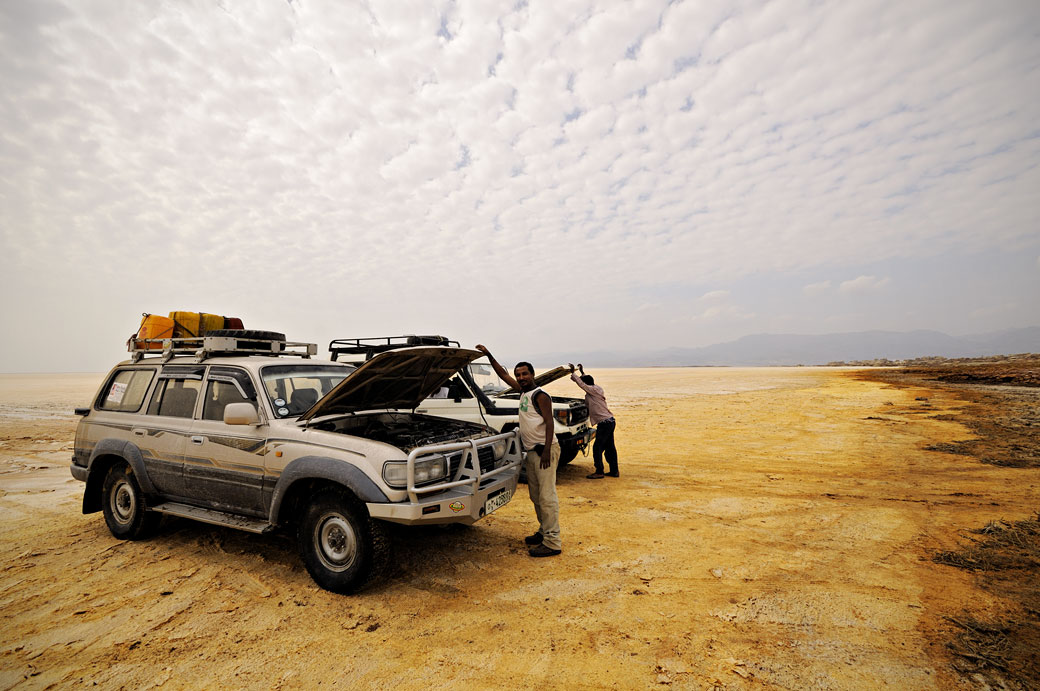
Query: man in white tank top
[[541, 455]]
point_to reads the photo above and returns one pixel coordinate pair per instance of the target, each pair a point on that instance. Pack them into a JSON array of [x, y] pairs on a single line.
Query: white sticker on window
[[116, 393]]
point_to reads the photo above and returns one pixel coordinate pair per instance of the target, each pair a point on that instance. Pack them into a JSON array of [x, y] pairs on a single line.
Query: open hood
[[396, 379], [542, 379]]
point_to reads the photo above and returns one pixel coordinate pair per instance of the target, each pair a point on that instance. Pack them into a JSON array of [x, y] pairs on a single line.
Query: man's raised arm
[[499, 369], [577, 380]]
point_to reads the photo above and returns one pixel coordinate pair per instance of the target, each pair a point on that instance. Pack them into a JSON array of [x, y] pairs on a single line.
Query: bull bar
[[468, 486]]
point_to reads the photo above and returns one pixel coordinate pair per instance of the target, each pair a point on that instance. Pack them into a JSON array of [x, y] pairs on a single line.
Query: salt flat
[[771, 527]]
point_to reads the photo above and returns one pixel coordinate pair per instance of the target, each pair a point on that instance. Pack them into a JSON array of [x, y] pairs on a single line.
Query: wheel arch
[[107, 453], [308, 475]]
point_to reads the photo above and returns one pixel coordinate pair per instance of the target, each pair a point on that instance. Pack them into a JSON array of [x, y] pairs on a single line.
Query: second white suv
[[477, 394]]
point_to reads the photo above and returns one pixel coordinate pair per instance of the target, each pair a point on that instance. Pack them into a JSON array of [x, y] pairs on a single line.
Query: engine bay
[[403, 430]]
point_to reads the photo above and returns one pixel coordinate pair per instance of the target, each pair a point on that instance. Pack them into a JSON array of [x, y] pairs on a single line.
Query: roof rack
[[210, 346], [371, 346]]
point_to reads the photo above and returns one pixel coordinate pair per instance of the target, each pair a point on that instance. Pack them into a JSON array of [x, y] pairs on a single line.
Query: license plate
[[497, 502]]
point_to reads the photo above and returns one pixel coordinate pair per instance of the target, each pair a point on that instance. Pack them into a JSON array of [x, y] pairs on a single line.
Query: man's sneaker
[[535, 539], [543, 551], [613, 475], [594, 476]]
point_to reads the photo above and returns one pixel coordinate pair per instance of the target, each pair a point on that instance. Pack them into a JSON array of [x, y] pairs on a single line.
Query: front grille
[[485, 456], [579, 413]]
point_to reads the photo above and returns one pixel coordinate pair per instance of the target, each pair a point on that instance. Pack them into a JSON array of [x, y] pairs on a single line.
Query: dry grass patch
[[1006, 557]]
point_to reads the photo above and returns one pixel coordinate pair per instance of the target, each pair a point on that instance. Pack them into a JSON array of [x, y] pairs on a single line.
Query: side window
[[175, 397], [125, 391], [219, 394]]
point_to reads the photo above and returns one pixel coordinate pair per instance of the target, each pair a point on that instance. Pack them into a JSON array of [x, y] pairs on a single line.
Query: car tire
[[568, 452], [343, 549], [122, 503], [247, 333]]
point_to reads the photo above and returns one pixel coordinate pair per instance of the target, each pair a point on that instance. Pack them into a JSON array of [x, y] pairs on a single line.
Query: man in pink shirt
[[603, 419]]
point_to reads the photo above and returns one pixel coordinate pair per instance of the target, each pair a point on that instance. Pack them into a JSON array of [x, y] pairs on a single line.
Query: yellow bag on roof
[[195, 324], [153, 326]]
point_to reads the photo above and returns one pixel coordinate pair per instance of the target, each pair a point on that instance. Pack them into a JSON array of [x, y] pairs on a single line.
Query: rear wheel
[[122, 503], [343, 549]]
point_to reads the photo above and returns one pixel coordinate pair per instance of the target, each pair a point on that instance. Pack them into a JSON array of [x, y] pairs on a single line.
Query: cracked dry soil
[[772, 528]]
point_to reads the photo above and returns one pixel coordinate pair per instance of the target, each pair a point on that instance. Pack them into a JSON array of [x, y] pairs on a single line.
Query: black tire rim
[[122, 501], [335, 542]]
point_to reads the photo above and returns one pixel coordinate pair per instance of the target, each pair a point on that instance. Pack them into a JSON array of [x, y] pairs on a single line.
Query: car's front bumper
[[457, 505], [581, 438]]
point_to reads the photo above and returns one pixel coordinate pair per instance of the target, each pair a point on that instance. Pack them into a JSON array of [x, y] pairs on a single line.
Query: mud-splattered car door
[[224, 464]]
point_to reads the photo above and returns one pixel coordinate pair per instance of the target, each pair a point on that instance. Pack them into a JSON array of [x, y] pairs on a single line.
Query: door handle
[[197, 440], [139, 432]]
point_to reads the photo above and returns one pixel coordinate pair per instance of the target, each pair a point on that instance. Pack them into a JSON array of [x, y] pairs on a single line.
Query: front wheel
[[568, 452], [343, 549], [123, 506]]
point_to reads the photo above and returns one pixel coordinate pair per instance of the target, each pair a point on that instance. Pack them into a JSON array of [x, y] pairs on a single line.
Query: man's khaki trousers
[[541, 483]]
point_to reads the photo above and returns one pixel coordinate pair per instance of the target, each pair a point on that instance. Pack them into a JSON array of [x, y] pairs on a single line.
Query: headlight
[[395, 473], [561, 416], [499, 447]]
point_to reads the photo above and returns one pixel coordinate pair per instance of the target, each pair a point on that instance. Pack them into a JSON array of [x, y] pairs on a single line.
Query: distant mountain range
[[792, 349]]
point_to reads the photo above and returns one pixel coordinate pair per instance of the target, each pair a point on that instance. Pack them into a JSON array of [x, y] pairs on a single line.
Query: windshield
[[293, 389], [486, 379]]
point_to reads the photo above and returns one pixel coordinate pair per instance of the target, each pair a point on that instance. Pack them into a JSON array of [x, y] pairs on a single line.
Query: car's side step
[[252, 525]]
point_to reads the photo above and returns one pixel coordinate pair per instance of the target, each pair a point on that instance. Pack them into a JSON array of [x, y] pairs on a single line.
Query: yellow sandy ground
[[772, 528]]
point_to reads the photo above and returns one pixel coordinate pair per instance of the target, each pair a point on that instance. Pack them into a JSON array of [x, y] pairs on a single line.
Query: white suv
[[233, 430], [477, 394]]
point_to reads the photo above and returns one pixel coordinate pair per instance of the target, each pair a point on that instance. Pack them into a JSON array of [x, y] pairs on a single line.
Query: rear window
[[175, 397], [126, 390]]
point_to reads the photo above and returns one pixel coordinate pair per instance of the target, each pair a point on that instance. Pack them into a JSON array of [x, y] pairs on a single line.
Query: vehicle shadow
[[430, 558]]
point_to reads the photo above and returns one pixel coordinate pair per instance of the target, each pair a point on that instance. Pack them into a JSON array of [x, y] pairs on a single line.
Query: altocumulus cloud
[[817, 288], [863, 284], [364, 155]]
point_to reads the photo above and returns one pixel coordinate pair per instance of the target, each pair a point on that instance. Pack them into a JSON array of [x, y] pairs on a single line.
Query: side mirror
[[241, 414]]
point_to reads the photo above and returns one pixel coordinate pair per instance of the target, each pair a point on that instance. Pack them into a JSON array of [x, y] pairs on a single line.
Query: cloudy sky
[[560, 176]]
